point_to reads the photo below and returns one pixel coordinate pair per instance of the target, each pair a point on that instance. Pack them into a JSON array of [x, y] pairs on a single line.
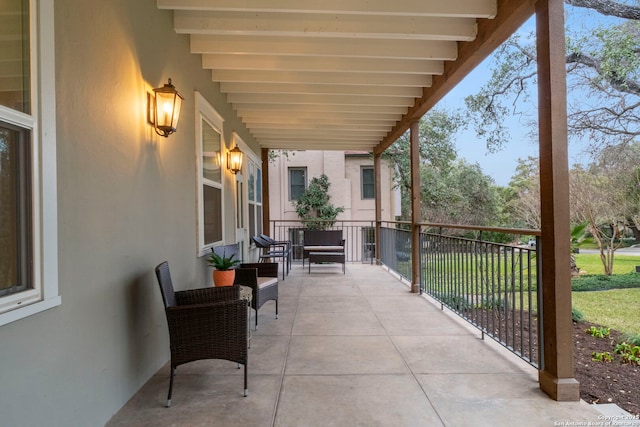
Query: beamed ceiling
[[340, 74]]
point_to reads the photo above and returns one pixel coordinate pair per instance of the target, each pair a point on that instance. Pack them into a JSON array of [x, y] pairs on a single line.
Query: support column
[[376, 172], [556, 375], [266, 218], [415, 206]]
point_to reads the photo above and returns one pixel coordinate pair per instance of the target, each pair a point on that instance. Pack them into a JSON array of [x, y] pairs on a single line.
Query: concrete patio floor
[[356, 350]]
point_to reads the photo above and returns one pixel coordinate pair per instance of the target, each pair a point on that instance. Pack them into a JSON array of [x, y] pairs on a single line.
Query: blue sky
[[501, 165]]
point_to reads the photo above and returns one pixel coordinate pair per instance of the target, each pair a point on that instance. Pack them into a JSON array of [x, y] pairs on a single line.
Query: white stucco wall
[[126, 202]]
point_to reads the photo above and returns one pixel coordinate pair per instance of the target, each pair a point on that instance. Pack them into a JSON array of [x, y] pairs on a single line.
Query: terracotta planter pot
[[223, 278]]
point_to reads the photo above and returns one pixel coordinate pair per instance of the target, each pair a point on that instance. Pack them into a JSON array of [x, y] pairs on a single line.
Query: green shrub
[[633, 339], [601, 332], [602, 283], [455, 302], [576, 315], [629, 353], [605, 356], [492, 303]]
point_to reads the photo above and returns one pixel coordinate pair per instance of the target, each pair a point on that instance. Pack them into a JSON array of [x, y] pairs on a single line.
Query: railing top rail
[[472, 227], [397, 222], [299, 221], [523, 231], [480, 228]]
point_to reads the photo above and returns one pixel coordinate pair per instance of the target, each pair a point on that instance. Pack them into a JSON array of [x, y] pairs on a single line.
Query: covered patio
[[103, 198], [356, 349]]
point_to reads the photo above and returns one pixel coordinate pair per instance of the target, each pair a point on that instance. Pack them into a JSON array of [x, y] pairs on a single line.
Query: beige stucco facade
[[344, 172]]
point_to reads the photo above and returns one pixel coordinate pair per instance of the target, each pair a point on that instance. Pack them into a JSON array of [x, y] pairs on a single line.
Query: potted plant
[[223, 273]]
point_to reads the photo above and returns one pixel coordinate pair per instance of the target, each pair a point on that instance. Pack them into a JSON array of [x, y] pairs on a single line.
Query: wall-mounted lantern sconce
[[234, 160], [164, 109]]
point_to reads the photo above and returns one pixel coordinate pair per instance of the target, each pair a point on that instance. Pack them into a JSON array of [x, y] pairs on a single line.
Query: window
[[28, 197], [368, 181], [297, 182], [210, 185], [255, 198]]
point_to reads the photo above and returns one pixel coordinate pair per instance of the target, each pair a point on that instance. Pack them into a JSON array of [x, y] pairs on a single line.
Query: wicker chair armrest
[[246, 277], [265, 269], [280, 247], [207, 295], [283, 242]]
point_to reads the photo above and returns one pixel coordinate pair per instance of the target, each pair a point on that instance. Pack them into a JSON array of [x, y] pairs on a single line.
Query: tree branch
[[609, 8]]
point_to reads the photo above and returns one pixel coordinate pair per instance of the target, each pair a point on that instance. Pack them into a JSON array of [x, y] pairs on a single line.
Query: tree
[[622, 165], [589, 193], [461, 194], [523, 200], [452, 190], [437, 150], [606, 195], [603, 67], [314, 207]]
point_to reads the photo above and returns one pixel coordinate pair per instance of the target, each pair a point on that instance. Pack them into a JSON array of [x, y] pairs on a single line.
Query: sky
[[501, 165]]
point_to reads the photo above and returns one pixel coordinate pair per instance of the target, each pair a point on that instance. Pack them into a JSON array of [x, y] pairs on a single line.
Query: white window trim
[[250, 156], [205, 111], [45, 199]]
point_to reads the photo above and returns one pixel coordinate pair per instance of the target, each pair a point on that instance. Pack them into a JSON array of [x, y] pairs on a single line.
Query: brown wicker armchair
[[263, 279], [207, 323]]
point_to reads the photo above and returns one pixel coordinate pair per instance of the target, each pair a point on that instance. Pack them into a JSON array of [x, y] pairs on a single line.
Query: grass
[[616, 309], [591, 264]]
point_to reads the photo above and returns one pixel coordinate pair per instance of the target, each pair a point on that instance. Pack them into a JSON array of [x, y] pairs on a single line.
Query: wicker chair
[[207, 323], [263, 279]]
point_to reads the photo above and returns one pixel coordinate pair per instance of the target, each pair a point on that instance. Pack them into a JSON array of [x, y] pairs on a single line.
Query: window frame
[[254, 205], [205, 112], [44, 199], [296, 168], [362, 183]]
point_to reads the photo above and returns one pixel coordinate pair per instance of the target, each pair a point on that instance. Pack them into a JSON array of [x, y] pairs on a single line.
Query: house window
[[255, 199], [15, 210], [210, 178], [368, 182], [297, 182], [28, 197]]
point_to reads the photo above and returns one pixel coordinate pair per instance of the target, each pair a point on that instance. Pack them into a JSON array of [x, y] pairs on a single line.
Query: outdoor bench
[[318, 241]]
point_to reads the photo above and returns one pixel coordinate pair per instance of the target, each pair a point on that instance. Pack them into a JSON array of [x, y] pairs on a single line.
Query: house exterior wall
[[126, 202], [343, 171]]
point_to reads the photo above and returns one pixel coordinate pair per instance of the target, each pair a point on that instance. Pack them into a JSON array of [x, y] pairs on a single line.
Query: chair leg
[[276, 309], [173, 370], [246, 388], [256, 320]]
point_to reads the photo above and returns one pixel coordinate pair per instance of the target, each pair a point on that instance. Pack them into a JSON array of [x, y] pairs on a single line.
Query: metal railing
[[395, 247], [359, 237], [491, 285]]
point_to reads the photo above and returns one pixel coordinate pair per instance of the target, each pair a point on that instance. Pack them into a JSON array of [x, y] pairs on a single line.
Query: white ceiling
[[326, 74]]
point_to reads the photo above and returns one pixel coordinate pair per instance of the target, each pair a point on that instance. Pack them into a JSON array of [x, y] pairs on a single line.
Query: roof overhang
[[341, 74]]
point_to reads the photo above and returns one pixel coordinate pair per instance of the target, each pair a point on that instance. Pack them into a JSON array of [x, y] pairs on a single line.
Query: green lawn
[[616, 309], [591, 264]]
